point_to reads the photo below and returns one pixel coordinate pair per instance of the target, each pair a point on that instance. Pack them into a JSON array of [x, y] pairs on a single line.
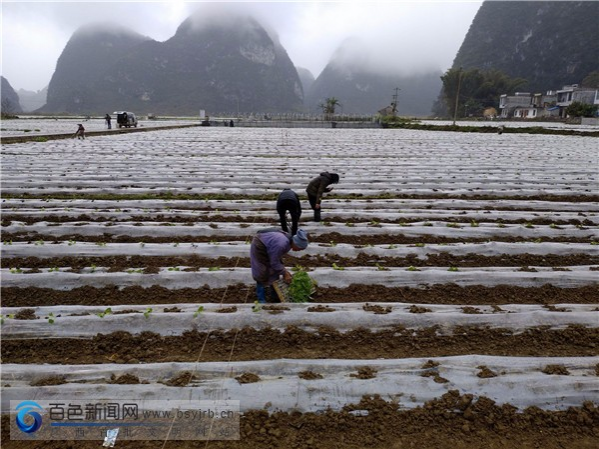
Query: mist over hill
[[364, 87], [548, 43], [228, 64]]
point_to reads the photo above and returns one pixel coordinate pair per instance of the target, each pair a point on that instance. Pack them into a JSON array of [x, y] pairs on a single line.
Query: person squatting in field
[[317, 187], [80, 133], [288, 201], [266, 254]]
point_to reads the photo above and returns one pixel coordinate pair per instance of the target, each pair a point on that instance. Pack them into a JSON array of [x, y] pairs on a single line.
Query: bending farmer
[[317, 187], [266, 253], [288, 201]]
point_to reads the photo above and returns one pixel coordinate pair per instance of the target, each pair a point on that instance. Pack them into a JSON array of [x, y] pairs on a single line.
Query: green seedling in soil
[[39, 242], [71, 242], [412, 268], [214, 242], [2, 317], [594, 243], [374, 223], [7, 242], [16, 270], [554, 226], [142, 244], [403, 223], [538, 241], [176, 244], [453, 269], [500, 225], [349, 225], [93, 268], [302, 287], [419, 245], [214, 269], [332, 243], [392, 246], [379, 267], [53, 269], [529, 225], [256, 307], [452, 225], [107, 311], [474, 224], [101, 243], [50, 318], [427, 224], [147, 312], [337, 267], [298, 268], [138, 270], [198, 312], [581, 227], [174, 269]]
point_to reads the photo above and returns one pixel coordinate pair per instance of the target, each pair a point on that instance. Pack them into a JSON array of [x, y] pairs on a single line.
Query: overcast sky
[[416, 35]]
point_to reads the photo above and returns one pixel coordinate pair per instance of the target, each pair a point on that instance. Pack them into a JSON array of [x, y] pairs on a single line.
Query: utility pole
[[394, 102], [457, 95]]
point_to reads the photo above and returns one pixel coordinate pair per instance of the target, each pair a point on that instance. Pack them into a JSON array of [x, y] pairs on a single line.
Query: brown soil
[[453, 420], [252, 344], [26, 314], [236, 294], [376, 309], [366, 239]]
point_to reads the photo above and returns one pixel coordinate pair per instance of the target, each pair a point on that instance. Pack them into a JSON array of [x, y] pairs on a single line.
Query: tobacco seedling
[[302, 287], [2, 317], [332, 243], [453, 269], [7, 242], [174, 269], [256, 307], [379, 267], [214, 269], [412, 268], [108, 311], [147, 312], [529, 225], [419, 245], [337, 267], [50, 318], [198, 312], [473, 224], [16, 270]]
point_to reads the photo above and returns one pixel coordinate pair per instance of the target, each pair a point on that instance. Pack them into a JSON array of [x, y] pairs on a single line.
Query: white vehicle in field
[[127, 119]]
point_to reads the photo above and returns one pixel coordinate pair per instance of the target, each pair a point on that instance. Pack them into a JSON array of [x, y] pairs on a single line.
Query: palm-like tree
[[329, 106]]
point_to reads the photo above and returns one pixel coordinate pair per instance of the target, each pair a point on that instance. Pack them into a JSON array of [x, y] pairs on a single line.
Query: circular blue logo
[[27, 409]]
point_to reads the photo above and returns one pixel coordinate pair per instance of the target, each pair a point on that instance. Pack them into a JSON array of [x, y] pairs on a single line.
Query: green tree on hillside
[[477, 90]]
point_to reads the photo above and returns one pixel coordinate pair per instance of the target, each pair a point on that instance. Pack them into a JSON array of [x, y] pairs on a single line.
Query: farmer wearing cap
[[317, 187], [266, 253], [288, 201]]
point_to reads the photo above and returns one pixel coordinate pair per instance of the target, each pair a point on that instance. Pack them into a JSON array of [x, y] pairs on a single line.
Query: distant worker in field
[[288, 201], [108, 119], [80, 133], [317, 187], [266, 254]]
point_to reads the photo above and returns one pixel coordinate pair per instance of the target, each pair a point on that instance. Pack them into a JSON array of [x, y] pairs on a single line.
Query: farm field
[[457, 284]]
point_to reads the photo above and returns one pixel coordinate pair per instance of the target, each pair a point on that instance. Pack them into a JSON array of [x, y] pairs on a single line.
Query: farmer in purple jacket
[[266, 253]]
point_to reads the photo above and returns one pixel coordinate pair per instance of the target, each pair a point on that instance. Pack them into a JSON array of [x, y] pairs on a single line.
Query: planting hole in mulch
[[559, 370], [378, 310], [485, 372], [416, 309], [51, 380], [320, 308], [364, 372], [181, 380], [310, 375], [26, 314], [227, 310], [248, 378], [124, 379]]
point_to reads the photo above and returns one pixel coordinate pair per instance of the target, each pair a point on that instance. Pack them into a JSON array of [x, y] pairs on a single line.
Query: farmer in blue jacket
[[266, 254]]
